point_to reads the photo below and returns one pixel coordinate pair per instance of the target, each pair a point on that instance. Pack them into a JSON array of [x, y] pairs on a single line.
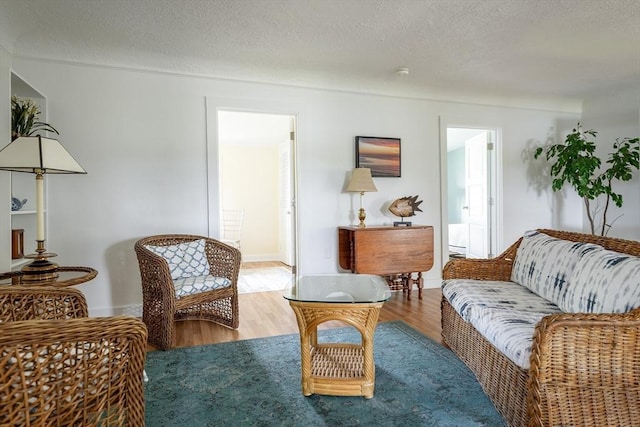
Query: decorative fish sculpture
[[405, 206]]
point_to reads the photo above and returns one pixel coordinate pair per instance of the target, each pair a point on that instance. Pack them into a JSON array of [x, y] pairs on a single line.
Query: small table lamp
[[38, 155], [360, 182]]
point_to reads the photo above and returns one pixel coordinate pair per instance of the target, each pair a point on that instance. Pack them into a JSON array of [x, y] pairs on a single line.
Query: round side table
[[67, 276]]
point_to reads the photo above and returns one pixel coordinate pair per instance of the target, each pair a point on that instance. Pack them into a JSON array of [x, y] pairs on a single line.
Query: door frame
[[214, 105], [495, 186]]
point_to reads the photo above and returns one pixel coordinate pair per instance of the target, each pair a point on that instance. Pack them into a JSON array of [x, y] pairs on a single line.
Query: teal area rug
[[257, 382]]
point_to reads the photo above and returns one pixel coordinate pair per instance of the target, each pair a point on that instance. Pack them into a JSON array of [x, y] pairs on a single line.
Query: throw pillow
[[544, 264], [184, 259], [603, 282]]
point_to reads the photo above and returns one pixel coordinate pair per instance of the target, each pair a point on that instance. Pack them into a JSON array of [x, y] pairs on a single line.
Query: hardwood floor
[[264, 314]]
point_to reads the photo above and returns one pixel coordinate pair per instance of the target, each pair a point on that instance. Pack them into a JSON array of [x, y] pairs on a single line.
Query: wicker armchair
[[585, 368], [60, 367], [162, 307]]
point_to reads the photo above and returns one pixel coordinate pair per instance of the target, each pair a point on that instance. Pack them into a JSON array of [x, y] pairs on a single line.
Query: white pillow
[[184, 259], [603, 282], [545, 264]]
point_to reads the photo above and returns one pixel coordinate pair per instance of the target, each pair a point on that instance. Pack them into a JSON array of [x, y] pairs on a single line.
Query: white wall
[[250, 176], [142, 138], [615, 113]]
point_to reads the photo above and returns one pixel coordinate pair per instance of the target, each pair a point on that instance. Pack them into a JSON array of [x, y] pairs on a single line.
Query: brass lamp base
[[41, 269], [361, 216]]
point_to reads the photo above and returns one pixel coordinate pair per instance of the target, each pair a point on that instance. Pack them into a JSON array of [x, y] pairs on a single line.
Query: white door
[[285, 205], [475, 212]]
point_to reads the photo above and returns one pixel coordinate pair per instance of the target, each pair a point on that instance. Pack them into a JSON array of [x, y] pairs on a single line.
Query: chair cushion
[[603, 282], [545, 264], [184, 259], [197, 284]]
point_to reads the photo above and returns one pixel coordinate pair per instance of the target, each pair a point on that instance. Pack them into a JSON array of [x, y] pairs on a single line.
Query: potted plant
[[574, 162], [24, 118]]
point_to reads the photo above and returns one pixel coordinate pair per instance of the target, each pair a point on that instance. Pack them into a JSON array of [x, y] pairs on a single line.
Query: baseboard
[[134, 310], [260, 258]]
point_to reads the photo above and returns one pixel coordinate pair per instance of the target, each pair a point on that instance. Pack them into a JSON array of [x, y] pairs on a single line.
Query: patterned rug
[[263, 279], [257, 382]]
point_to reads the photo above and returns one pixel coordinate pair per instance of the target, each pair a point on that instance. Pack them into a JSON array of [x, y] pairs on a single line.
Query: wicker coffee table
[[338, 369]]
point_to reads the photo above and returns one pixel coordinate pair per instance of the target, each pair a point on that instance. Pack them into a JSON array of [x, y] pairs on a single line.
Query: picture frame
[[381, 155]]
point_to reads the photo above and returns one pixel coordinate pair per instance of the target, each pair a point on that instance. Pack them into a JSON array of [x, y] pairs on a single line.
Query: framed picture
[[381, 155]]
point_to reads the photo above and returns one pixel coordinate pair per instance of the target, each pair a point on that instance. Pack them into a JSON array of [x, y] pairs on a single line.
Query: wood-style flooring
[[264, 314]]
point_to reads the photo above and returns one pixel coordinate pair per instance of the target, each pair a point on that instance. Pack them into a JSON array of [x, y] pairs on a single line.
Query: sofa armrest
[[498, 268], [585, 370]]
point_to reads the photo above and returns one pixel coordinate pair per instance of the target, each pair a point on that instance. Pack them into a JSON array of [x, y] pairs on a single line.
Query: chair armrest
[[578, 359], [224, 260], [22, 302], [155, 274], [498, 268]]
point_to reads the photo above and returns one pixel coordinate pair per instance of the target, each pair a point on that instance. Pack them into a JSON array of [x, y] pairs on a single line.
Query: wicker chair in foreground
[[186, 277], [60, 367]]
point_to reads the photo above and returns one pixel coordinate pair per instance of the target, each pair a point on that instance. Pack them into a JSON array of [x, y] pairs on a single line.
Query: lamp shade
[[36, 154], [361, 181]]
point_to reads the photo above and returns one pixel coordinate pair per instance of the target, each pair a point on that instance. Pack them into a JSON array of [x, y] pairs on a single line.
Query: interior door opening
[[470, 200], [255, 152]]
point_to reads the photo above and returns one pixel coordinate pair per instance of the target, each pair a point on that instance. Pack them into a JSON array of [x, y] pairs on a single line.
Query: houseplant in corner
[[24, 118], [574, 162]]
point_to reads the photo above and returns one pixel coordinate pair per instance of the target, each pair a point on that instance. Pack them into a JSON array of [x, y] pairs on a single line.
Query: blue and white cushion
[[468, 296], [603, 282], [545, 264], [509, 331], [197, 284], [184, 259]]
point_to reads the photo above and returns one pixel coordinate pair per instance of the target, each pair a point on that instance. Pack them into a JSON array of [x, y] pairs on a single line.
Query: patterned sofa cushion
[[185, 259], [467, 296], [509, 331], [197, 284], [603, 282], [545, 264]]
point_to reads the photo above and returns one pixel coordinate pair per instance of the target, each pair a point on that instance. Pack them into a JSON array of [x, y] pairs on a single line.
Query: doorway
[[470, 203], [255, 163]]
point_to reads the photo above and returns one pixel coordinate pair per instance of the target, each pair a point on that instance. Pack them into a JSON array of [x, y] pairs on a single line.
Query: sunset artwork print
[[381, 155]]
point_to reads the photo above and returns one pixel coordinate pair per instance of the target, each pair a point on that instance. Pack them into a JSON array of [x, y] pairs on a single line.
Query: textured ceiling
[[527, 52]]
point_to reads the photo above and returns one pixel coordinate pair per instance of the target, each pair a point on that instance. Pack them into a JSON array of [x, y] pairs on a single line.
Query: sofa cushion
[[184, 259], [467, 296], [545, 264], [603, 282], [197, 284], [510, 331]]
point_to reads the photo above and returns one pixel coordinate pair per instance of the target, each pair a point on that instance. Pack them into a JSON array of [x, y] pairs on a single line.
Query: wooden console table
[[394, 252]]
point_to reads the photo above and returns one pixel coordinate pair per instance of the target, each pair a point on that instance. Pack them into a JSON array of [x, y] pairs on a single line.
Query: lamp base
[[41, 269], [361, 216]]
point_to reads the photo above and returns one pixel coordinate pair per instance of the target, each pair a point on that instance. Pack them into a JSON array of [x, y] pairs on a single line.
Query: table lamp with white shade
[[38, 155], [361, 182]]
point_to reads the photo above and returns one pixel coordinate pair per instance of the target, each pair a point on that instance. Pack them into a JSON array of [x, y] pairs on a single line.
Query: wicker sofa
[[581, 366]]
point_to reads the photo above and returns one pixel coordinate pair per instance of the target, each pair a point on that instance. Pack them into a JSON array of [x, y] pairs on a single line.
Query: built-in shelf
[[27, 212], [20, 186]]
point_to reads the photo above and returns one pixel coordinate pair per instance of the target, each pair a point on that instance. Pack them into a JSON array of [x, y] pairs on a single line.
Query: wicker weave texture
[[40, 302], [161, 309], [72, 372], [60, 368], [338, 369], [585, 368]]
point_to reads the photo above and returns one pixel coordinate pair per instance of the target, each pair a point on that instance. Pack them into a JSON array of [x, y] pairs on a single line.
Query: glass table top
[[339, 288]]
